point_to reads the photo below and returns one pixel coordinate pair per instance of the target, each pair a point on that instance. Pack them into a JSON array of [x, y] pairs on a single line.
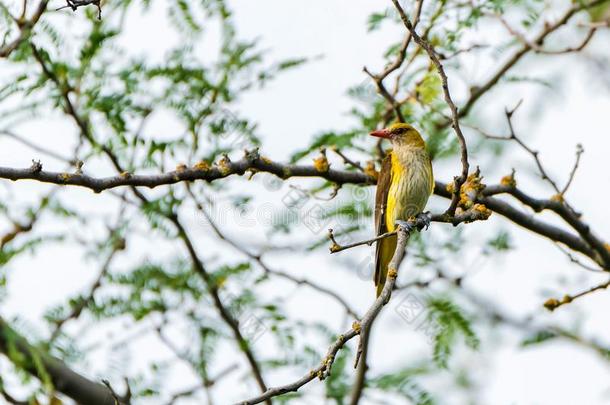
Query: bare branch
[[348, 160], [258, 258], [460, 180], [252, 162], [539, 49], [402, 52], [479, 91], [358, 328], [75, 4], [336, 247], [552, 303], [25, 27], [37, 148], [476, 213], [579, 152]]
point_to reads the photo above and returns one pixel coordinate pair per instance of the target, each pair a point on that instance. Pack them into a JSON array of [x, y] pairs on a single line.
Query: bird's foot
[[425, 218], [406, 225], [413, 223]]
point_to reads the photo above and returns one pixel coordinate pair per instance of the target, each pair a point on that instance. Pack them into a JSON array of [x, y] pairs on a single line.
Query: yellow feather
[[411, 185]]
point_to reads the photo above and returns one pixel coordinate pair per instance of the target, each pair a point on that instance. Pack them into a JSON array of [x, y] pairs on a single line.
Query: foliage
[[156, 261]]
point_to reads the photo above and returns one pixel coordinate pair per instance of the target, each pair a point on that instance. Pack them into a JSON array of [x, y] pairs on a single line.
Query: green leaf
[[450, 323], [501, 242], [374, 21], [430, 88]]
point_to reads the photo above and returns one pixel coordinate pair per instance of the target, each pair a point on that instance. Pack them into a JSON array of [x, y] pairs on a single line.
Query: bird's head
[[401, 134]]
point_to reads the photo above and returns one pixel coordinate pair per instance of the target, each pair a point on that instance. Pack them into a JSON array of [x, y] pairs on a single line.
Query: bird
[[404, 185]]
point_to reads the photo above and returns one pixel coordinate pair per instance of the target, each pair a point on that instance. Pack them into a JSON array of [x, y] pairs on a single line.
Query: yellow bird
[[403, 188]]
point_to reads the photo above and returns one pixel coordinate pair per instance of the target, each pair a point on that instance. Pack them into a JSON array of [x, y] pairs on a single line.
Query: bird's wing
[[381, 203], [431, 176], [381, 197]]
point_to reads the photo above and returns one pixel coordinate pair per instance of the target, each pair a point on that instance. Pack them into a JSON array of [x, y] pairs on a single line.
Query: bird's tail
[[383, 255]]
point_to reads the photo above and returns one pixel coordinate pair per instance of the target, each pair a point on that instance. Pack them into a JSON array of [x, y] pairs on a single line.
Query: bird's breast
[[411, 185]]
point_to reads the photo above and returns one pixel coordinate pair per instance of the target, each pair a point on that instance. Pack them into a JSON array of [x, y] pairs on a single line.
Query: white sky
[[313, 98]]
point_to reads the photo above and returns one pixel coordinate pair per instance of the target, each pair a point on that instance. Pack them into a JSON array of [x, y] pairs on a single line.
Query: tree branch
[[25, 28], [552, 303], [222, 310], [482, 89], [252, 162], [258, 258], [358, 328], [42, 365], [84, 126], [461, 179], [539, 49]]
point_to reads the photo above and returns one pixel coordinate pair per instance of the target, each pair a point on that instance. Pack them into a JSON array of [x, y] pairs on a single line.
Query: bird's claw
[[425, 218], [406, 225], [413, 223]]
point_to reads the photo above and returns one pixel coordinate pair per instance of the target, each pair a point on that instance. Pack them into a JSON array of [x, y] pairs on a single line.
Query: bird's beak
[[382, 133]]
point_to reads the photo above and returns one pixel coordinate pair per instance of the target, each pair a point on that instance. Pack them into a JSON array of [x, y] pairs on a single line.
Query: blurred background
[[106, 281]]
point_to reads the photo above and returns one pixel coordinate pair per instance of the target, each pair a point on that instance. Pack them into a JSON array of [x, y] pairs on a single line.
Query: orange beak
[[382, 133]]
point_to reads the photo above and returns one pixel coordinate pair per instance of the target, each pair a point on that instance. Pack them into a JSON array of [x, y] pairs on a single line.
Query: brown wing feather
[[381, 202]]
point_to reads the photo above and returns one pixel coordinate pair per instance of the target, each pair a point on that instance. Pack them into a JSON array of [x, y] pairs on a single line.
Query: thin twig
[[579, 152], [461, 179], [358, 328], [533, 153], [539, 49], [336, 247], [258, 258], [578, 262], [347, 160], [36, 147], [551, 304], [75, 4], [25, 28], [480, 90], [402, 52]]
